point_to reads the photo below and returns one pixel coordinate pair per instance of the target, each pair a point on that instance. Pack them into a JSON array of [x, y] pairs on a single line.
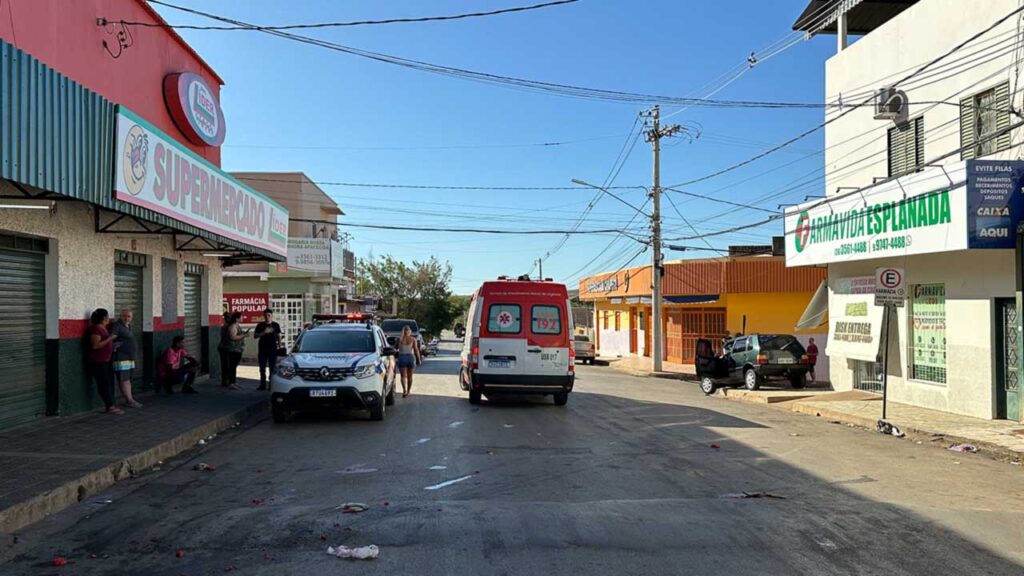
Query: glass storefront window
[[928, 333]]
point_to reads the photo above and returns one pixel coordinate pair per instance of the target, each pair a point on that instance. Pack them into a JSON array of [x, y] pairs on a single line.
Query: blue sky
[[291, 106]]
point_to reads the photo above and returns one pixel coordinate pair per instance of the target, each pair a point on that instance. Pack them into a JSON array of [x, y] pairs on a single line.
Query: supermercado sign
[[156, 172], [918, 214]]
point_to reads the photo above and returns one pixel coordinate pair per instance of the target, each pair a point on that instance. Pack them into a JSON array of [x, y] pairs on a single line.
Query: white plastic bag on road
[[361, 553]]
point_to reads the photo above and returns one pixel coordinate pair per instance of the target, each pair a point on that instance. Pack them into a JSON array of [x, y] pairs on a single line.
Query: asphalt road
[[623, 480]]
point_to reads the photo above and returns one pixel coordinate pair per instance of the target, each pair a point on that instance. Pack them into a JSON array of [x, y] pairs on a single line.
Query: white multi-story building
[[923, 175]]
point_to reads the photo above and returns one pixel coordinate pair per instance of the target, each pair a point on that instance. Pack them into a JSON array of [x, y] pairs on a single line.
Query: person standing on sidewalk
[[222, 348], [268, 333], [236, 345], [812, 359], [98, 354], [124, 356]]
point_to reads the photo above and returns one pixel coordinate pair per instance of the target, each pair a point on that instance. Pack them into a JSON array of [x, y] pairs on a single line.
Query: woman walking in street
[[98, 355], [408, 358], [236, 345]]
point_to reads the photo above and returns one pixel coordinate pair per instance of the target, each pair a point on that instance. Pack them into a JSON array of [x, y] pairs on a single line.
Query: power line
[[867, 102], [567, 90], [458, 230], [552, 144], [425, 186], [344, 24]]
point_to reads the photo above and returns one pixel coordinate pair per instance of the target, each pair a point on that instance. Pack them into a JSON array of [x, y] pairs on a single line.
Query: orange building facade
[[702, 299]]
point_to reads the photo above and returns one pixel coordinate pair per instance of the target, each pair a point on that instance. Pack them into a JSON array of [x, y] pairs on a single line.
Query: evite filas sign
[[920, 213], [194, 108], [994, 202], [250, 305], [156, 172]]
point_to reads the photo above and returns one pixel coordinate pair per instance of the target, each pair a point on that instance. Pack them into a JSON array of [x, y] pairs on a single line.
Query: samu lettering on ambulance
[[180, 183]]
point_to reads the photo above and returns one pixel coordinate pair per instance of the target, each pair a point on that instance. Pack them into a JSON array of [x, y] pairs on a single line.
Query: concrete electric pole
[[654, 136]]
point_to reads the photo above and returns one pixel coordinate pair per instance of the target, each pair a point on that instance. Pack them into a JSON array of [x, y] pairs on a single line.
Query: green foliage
[[422, 290]]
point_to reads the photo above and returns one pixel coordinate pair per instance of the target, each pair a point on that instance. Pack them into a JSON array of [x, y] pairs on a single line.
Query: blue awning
[[698, 299]]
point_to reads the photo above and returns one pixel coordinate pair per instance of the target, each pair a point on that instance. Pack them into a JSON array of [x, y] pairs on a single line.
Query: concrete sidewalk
[[53, 463], [1002, 438], [644, 367]]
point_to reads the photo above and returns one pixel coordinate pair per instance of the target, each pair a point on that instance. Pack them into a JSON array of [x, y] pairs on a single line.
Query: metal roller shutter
[[194, 316], [128, 295], [22, 336]]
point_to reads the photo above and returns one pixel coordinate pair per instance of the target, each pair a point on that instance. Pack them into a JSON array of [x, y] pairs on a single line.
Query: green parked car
[[751, 360]]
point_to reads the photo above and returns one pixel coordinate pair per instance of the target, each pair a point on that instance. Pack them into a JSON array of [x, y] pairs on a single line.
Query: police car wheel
[[279, 414]]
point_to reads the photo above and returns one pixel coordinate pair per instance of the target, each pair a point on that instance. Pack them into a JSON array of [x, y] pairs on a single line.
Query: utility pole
[[654, 136]]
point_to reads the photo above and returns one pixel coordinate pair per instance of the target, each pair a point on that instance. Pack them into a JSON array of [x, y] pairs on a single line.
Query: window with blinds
[[981, 116], [906, 147]]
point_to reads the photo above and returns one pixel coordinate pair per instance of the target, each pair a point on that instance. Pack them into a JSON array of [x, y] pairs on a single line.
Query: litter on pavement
[[448, 483], [59, 561], [361, 553], [715, 446], [963, 448], [761, 494], [353, 508], [456, 424], [421, 441], [438, 467], [509, 425], [201, 442], [204, 467], [357, 469]]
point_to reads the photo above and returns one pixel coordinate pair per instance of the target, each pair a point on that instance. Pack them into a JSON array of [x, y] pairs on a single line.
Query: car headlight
[[286, 371], [365, 371]]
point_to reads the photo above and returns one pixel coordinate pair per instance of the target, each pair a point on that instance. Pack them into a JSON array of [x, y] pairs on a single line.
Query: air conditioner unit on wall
[[891, 104]]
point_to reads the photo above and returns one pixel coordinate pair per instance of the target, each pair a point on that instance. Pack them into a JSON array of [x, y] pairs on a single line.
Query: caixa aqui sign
[[194, 108], [994, 202]]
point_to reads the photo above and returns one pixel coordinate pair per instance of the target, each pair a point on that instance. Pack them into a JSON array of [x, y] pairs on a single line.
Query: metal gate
[[289, 313], [128, 296], [194, 316], [1008, 389], [674, 336], [23, 330]]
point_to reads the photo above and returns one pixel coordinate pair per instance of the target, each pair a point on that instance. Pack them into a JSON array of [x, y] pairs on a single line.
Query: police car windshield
[[325, 341]]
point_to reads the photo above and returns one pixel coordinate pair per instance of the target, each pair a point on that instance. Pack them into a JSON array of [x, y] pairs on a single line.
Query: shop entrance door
[[194, 317], [646, 318], [1008, 393], [290, 314], [674, 336], [632, 330], [23, 331], [128, 296]]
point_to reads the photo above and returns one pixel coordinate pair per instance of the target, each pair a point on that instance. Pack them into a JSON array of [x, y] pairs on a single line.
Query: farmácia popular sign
[[921, 213], [156, 172]]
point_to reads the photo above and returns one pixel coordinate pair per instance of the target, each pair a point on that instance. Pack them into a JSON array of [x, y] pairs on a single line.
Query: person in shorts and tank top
[[408, 358], [125, 353]]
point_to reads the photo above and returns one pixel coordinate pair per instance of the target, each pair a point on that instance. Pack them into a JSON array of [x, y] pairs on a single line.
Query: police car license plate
[[323, 393], [499, 364]]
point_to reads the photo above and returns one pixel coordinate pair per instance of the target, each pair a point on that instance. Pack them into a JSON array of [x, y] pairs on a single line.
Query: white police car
[[337, 367]]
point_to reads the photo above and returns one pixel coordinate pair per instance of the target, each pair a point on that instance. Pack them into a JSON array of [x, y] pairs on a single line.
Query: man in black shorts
[[268, 333]]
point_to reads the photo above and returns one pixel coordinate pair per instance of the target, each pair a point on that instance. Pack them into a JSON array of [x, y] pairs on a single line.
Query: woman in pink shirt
[[98, 353]]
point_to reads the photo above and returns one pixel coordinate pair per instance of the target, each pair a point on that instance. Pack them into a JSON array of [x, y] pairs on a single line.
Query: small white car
[[336, 367]]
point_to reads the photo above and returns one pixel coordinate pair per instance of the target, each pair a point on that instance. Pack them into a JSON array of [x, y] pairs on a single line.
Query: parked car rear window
[[399, 325], [504, 319], [780, 342], [739, 345], [580, 338], [546, 320]]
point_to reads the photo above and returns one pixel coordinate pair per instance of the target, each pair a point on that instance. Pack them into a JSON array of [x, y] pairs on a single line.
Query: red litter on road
[[59, 561], [715, 446], [179, 554]]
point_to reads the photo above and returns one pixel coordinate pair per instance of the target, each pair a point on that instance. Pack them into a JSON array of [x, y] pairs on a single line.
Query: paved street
[[623, 480]]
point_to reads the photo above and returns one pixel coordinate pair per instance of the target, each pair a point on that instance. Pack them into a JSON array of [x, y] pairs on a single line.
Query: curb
[[34, 509], [994, 450]]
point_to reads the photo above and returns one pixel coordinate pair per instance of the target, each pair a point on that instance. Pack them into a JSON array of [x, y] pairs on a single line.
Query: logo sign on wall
[[309, 254], [156, 172], [890, 287], [250, 305], [994, 202], [194, 108], [921, 213]]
